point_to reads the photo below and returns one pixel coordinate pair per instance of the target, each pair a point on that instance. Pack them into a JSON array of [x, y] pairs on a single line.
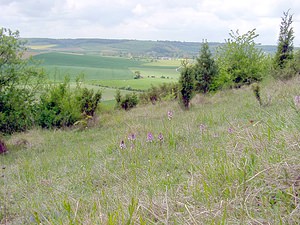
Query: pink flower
[[170, 115], [230, 130], [160, 137], [149, 137], [297, 101], [122, 145], [202, 127], [132, 137]]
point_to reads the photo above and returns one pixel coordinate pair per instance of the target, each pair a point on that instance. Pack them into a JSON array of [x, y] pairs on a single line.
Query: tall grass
[[228, 160]]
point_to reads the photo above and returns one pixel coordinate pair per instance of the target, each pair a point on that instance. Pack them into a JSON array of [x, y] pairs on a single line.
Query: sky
[[175, 20]]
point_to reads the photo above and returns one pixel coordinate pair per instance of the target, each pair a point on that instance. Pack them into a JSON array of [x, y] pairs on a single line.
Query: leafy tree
[[285, 41], [19, 82], [205, 69], [239, 61], [186, 83]]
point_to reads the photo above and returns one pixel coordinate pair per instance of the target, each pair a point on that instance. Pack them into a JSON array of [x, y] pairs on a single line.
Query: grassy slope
[[234, 171]]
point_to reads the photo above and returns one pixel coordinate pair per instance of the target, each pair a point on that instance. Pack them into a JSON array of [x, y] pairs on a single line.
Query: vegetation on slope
[[225, 161]]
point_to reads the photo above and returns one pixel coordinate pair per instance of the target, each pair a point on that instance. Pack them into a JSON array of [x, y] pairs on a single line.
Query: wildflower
[[202, 127], [160, 137], [122, 145], [170, 115], [230, 130], [149, 137], [297, 101], [132, 137], [215, 135]]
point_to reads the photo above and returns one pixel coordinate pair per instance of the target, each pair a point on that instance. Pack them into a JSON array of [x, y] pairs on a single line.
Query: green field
[[134, 84], [104, 68], [114, 72]]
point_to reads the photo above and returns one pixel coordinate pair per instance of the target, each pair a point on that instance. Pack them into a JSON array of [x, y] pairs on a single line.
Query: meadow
[[111, 72], [227, 160]]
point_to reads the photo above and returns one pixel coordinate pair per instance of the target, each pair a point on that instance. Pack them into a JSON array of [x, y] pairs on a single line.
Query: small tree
[[186, 82], [239, 61], [285, 41], [205, 69]]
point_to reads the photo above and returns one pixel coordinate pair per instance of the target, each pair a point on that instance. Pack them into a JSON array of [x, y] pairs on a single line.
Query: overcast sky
[[178, 20]]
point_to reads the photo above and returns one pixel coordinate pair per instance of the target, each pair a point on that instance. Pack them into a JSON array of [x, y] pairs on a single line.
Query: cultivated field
[[225, 161], [111, 72]]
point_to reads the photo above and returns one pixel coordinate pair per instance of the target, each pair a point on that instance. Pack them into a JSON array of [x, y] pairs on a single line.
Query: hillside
[[225, 161], [135, 48]]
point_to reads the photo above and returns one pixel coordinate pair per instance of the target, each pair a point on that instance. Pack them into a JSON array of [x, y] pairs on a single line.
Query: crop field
[[111, 72]]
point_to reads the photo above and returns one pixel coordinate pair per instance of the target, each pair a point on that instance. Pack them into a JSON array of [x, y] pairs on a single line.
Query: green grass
[[99, 68], [136, 84], [241, 167]]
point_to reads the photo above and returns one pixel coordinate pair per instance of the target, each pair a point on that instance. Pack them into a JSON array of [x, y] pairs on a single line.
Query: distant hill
[[124, 47]]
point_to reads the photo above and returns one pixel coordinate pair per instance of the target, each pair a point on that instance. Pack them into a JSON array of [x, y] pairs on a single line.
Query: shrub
[[165, 91], [89, 101], [3, 147], [58, 107], [20, 81], [290, 70], [129, 101], [126, 102], [186, 82]]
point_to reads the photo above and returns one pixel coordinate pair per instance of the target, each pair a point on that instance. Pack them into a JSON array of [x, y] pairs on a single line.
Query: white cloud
[[191, 20]]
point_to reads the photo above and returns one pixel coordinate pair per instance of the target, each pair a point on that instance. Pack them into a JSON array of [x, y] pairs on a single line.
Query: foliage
[[19, 83], [285, 42], [3, 148], [165, 91], [186, 84], [118, 98], [239, 61], [137, 75], [256, 91], [205, 69], [89, 101], [126, 102], [59, 106]]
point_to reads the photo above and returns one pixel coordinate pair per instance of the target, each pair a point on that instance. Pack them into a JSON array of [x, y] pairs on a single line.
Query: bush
[[290, 70], [129, 101], [58, 107], [20, 82], [3, 147], [89, 101], [126, 102], [165, 91]]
